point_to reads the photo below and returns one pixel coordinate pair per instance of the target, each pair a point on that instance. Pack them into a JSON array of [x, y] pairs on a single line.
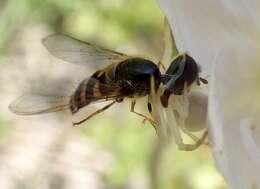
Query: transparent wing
[[31, 104], [93, 90], [109, 90], [44, 94], [48, 100], [169, 44], [96, 91], [78, 52]]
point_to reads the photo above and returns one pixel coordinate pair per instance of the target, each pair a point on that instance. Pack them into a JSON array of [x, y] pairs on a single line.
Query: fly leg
[[94, 113], [175, 130], [160, 64], [193, 137], [187, 132], [149, 107], [191, 147], [153, 123]]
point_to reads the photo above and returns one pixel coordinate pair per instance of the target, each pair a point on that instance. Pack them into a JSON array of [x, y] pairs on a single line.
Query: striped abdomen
[[81, 96], [98, 87]]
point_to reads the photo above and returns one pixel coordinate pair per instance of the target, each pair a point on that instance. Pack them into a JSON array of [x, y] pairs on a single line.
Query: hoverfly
[[120, 76]]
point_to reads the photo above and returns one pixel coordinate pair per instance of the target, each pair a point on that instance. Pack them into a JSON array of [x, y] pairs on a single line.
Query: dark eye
[[175, 65], [175, 70]]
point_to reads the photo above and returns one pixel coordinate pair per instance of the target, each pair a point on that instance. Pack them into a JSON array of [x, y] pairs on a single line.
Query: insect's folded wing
[[97, 97], [94, 91], [78, 52], [31, 104], [103, 91]]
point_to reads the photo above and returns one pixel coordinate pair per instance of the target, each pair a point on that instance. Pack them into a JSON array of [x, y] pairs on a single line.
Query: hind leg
[[194, 146], [188, 133], [94, 113]]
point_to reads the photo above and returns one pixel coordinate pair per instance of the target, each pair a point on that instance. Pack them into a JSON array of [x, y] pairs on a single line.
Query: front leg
[[194, 146], [94, 113], [160, 64]]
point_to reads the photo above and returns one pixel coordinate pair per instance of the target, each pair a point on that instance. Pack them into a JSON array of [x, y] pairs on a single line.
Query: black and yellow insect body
[[120, 76], [134, 76], [130, 78]]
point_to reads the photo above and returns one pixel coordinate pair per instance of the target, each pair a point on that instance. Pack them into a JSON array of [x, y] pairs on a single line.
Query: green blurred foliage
[[110, 22], [113, 23]]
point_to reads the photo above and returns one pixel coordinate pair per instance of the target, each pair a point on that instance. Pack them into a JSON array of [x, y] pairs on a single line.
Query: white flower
[[224, 38]]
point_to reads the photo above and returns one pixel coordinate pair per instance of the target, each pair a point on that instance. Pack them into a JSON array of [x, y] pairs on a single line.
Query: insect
[[120, 76], [182, 71]]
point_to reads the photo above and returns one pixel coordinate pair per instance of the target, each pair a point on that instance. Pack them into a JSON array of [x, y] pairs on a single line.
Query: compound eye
[[174, 66]]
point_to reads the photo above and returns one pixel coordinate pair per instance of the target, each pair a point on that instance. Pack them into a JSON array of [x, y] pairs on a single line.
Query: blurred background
[[114, 150]]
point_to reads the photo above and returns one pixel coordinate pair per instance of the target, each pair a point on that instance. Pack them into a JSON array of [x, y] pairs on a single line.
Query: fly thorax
[[135, 75]]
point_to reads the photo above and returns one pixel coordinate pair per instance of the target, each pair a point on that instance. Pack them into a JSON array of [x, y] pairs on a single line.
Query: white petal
[[197, 118], [200, 26], [226, 33], [234, 109]]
